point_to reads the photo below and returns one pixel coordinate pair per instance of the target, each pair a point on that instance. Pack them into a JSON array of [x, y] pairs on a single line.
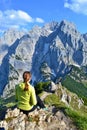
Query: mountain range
[[48, 52]]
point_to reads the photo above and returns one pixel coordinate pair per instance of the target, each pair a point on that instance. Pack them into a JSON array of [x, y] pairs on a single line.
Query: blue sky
[[24, 14]]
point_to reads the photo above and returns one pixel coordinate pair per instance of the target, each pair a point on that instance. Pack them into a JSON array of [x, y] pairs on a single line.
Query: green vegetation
[[41, 86], [5, 104], [51, 99], [75, 87], [1, 101], [76, 82], [79, 117], [78, 73], [9, 102], [85, 83]]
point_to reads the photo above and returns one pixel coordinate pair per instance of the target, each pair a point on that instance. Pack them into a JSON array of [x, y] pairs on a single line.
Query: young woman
[[27, 100]]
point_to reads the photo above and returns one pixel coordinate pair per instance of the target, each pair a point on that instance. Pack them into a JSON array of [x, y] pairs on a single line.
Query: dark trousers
[[39, 103]]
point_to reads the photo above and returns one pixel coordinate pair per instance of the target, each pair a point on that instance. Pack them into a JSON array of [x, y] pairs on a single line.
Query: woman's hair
[[26, 79]]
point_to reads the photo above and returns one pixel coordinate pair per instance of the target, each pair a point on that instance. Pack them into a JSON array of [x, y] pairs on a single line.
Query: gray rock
[[46, 51], [37, 120]]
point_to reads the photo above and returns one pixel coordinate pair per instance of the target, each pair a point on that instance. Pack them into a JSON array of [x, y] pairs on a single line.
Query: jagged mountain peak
[[85, 36], [68, 27], [13, 32], [67, 23], [46, 30], [56, 44], [52, 26], [10, 36], [35, 29]]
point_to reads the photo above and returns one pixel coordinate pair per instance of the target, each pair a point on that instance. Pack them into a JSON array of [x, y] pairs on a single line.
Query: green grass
[[9, 102], [79, 119], [51, 99], [85, 83], [79, 72], [41, 86], [1, 101], [75, 87], [5, 104]]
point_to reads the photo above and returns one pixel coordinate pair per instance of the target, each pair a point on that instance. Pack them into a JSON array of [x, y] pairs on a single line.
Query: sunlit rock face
[[48, 52], [37, 120]]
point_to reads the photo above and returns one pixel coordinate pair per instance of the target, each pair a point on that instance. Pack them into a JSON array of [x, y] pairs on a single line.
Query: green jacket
[[26, 99]]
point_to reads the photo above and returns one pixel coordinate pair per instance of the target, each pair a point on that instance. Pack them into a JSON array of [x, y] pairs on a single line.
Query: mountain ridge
[[55, 45]]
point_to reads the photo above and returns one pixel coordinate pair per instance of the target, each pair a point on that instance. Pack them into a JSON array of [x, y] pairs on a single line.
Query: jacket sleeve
[[33, 100]]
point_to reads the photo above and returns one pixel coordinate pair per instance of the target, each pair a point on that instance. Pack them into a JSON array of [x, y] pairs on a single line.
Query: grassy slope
[[79, 116], [74, 82]]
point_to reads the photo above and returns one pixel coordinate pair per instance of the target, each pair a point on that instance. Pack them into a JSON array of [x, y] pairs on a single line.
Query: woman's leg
[[40, 102], [24, 111], [27, 112]]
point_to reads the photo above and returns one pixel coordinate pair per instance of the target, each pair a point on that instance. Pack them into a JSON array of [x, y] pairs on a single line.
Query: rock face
[[7, 39], [8, 43], [47, 52], [37, 120]]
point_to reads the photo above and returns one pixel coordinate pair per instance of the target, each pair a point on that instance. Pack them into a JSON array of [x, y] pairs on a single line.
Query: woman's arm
[[33, 99]]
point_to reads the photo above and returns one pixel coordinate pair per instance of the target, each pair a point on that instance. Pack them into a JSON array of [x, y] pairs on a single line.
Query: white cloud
[[39, 20], [78, 6], [17, 15], [25, 16], [16, 19]]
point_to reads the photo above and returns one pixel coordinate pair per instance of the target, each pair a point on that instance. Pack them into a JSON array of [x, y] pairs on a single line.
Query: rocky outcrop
[[52, 87], [52, 119]]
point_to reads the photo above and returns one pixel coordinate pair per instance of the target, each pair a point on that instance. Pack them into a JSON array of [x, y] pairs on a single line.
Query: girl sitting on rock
[[26, 98]]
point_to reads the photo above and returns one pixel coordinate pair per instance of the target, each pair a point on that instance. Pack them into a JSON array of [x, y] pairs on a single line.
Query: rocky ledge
[[51, 119]]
